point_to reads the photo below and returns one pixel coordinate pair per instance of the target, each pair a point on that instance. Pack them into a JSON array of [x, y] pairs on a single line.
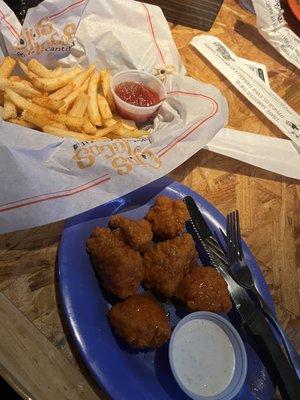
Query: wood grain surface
[[268, 203], [33, 365]]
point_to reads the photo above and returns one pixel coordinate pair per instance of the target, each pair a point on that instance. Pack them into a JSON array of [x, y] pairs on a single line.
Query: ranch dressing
[[203, 357]]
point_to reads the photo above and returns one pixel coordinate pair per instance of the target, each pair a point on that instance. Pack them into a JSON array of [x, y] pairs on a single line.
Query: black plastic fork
[[242, 275], [235, 255]]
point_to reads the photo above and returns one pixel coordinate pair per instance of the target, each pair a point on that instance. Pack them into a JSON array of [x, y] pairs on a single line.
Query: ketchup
[[137, 94]]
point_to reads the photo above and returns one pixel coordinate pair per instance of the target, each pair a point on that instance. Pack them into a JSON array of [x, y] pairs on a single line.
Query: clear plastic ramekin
[[130, 111], [240, 365]]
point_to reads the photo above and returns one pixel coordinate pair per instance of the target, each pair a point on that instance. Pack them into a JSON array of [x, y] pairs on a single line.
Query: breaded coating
[[100, 240], [204, 289], [167, 217], [119, 266], [140, 321], [167, 263], [136, 233]]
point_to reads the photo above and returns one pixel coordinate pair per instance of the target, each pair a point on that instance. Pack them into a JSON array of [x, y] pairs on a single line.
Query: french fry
[[31, 76], [44, 114], [4, 83], [7, 67], [80, 105], [73, 122], [58, 70], [126, 123], [37, 118], [88, 127], [19, 87], [130, 133], [23, 103], [23, 89], [47, 102], [63, 101], [93, 111], [112, 136], [72, 96], [23, 67], [109, 122], [52, 84], [103, 107], [129, 123], [100, 138], [109, 129], [15, 78], [39, 69], [105, 84], [47, 118], [62, 92], [65, 133], [84, 75], [22, 122], [59, 125], [26, 71], [9, 108], [140, 133], [27, 83]]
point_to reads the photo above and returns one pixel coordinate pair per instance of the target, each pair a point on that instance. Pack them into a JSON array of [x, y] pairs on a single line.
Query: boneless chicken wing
[[204, 289], [140, 321], [167, 263], [167, 217], [136, 233], [119, 266]]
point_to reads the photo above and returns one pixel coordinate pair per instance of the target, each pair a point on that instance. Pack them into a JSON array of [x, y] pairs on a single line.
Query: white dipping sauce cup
[[130, 111], [190, 365]]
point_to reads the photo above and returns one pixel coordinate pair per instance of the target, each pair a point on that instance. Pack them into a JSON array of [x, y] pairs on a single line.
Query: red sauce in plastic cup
[[138, 94]]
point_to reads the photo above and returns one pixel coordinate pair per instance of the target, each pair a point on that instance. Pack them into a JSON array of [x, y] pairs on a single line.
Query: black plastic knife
[[282, 373], [204, 241]]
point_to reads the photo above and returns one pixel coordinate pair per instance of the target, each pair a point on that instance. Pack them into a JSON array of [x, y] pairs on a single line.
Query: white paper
[[273, 154], [10, 29], [264, 98], [272, 26], [258, 70], [44, 178]]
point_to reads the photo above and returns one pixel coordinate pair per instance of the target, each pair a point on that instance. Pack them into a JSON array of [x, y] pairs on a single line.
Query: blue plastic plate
[[124, 373]]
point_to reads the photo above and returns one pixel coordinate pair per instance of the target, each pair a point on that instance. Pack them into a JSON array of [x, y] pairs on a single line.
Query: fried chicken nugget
[[167, 217], [204, 289], [136, 233], [140, 321], [167, 264], [120, 267]]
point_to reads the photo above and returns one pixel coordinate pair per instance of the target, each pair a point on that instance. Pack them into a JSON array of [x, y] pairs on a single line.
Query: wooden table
[[37, 356]]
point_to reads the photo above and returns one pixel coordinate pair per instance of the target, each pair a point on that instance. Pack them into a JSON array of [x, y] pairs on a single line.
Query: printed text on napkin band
[[123, 156], [43, 37]]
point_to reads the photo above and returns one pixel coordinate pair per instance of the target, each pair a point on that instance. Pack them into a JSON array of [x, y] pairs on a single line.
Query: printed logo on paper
[[122, 155], [295, 128], [223, 51], [44, 37]]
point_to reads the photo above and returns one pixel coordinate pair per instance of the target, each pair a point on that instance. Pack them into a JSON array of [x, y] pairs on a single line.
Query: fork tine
[[231, 244], [215, 248], [239, 237], [233, 237], [223, 245], [236, 234], [233, 230], [228, 241]]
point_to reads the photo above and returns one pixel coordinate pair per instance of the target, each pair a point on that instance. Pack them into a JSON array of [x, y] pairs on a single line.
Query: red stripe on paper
[[52, 196]]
